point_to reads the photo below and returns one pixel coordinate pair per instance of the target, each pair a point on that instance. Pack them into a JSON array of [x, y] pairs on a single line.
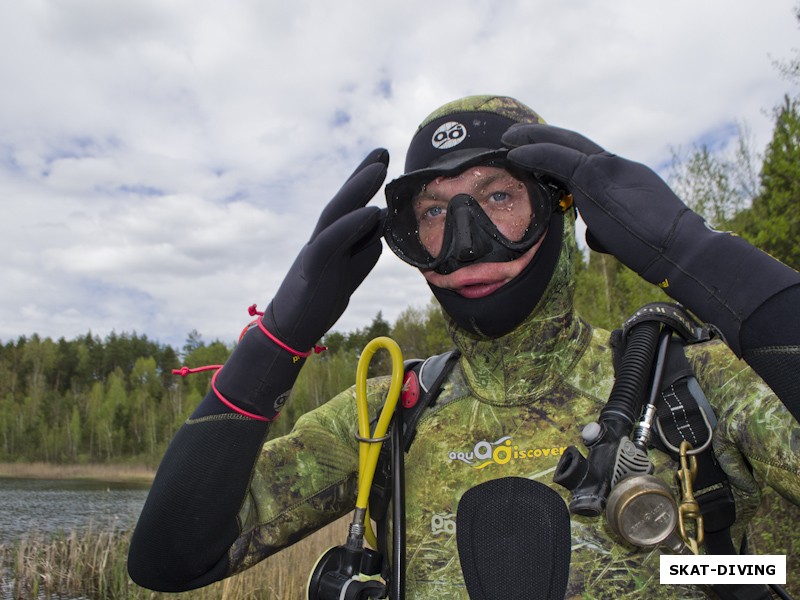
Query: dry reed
[[102, 472], [91, 565]]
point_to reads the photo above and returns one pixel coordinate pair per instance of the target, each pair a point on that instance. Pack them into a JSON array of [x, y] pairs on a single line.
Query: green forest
[[115, 399]]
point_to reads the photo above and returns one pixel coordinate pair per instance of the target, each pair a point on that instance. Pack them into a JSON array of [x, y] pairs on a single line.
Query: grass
[[91, 565]]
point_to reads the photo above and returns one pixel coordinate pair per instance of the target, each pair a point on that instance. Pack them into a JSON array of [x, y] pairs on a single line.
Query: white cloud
[[162, 163]]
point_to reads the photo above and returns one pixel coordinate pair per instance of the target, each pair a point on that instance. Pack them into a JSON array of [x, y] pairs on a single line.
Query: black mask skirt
[[500, 312]]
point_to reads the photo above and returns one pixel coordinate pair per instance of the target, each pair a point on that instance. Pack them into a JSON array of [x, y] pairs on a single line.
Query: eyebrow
[[490, 179], [423, 196], [486, 181]]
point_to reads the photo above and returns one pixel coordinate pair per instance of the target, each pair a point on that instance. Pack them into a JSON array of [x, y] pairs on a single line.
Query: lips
[[473, 281], [478, 289]]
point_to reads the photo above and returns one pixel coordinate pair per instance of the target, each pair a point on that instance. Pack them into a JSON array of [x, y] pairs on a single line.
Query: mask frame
[[470, 236]]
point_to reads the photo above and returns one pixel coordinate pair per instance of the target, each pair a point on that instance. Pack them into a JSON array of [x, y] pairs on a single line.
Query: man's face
[[504, 198]]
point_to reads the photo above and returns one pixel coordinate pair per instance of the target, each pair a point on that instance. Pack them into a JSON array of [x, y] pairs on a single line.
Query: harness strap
[[684, 413]]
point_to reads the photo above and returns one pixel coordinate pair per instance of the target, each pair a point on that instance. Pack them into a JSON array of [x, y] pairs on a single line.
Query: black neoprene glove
[[342, 250], [635, 216]]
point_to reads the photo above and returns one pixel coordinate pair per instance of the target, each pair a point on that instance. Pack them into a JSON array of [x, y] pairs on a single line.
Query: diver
[[481, 212]]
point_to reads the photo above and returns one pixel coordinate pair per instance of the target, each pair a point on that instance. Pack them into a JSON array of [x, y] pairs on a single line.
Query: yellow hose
[[368, 451]]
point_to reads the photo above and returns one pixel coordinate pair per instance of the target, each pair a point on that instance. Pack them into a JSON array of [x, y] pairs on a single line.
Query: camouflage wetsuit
[[510, 407], [222, 500]]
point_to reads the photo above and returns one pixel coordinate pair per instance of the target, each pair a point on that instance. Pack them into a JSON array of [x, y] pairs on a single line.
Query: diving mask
[[495, 213]]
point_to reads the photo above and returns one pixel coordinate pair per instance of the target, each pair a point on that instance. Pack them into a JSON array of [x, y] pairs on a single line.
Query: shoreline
[[112, 473]]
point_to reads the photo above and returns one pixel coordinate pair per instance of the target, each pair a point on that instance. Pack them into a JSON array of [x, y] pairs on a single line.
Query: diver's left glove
[[342, 250], [631, 213]]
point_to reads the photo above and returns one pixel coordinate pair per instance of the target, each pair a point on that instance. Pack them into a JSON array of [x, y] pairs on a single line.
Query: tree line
[[116, 399], [94, 400]]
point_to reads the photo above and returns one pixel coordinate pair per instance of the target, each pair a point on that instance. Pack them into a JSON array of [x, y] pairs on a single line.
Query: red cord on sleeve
[[297, 353], [184, 371]]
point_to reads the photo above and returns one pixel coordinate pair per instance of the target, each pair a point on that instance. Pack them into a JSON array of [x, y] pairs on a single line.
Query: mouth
[[478, 289], [473, 281]]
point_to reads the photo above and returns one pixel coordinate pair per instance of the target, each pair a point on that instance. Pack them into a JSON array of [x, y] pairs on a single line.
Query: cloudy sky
[[162, 161]]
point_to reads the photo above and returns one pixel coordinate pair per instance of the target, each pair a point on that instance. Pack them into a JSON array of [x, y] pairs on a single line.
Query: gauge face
[[642, 511]]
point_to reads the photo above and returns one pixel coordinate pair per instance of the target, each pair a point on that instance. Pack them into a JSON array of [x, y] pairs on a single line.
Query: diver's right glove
[[631, 213], [342, 250]]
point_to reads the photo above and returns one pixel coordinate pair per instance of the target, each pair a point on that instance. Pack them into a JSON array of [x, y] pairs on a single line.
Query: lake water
[[62, 505]]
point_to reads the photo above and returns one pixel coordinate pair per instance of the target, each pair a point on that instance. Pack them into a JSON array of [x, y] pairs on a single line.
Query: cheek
[[517, 223], [515, 267], [433, 277], [431, 239]]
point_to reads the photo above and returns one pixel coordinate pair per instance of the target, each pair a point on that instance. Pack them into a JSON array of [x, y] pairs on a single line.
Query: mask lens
[[503, 198]]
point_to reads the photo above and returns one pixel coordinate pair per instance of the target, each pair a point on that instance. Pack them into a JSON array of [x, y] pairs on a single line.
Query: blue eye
[[499, 196], [434, 211]]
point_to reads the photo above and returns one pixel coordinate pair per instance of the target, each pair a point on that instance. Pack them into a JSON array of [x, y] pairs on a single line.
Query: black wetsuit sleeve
[[770, 340], [190, 517], [189, 520]]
